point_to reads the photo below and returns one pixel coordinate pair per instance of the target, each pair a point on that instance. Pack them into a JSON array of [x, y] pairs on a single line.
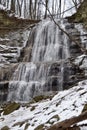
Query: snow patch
[[65, 104]]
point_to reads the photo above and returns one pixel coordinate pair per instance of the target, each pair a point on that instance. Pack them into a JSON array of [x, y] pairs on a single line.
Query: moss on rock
[[4, 19], [33, 108], [40, 127], [10, 23], [41, 97], [26, 126], [38, 98], [5, 128], [85, 108], [19, 124], [10, 108]]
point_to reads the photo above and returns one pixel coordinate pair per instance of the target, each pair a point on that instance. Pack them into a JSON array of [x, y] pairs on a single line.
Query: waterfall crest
[[50, 43], [44, 72]]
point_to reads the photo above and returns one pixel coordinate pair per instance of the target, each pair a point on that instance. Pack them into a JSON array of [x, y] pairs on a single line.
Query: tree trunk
[[30, 9], [13, 5], [46, 1]]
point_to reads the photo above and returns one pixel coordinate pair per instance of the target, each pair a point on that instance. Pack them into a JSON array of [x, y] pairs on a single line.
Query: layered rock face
[[48, 64], [11, 44], [47, 60]]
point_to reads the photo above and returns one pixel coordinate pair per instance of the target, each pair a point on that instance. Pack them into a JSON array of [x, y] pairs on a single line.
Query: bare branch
[[84, 50]]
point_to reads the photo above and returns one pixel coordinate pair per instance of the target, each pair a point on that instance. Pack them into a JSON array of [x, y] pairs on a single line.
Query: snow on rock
[[81, 61], [82, 122], [83, 125], [63, 105], [83, 128]]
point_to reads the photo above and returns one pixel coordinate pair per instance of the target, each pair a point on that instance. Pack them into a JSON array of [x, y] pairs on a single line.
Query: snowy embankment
[[62, 106]]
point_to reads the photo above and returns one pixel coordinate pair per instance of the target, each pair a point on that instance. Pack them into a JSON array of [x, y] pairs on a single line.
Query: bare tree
[[30, 9], [46, 3], [19, 6], [13, 5], [83, 49], [35, 9], [76, 3], [60, 8]]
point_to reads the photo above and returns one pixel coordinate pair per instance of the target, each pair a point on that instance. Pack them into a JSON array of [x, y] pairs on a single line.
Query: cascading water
[[45, 70]]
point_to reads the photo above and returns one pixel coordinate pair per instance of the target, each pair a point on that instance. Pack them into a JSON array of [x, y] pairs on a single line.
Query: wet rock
[[70, 26], [6, 71], [54, 69], [5, 75], [3, 90], [40, 127], [4, 85], [85, 108], [25, 55], [72, 75], [53, 83]]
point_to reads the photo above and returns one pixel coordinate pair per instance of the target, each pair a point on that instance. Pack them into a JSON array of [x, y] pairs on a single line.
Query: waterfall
[[44, 72], [49, 43]]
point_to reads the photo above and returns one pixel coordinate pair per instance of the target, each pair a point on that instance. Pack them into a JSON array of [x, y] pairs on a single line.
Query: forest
[[35, 9]]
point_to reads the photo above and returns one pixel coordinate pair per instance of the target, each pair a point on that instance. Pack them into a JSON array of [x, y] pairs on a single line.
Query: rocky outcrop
[[25, 54], [70, 76], [9, 108], [6, 71], [68, 124]]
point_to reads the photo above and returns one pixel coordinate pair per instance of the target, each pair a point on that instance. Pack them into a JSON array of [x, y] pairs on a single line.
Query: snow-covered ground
[[65, 104]]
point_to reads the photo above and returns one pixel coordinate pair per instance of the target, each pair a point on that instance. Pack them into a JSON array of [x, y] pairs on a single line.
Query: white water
[[48, 43], [45, 71]]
